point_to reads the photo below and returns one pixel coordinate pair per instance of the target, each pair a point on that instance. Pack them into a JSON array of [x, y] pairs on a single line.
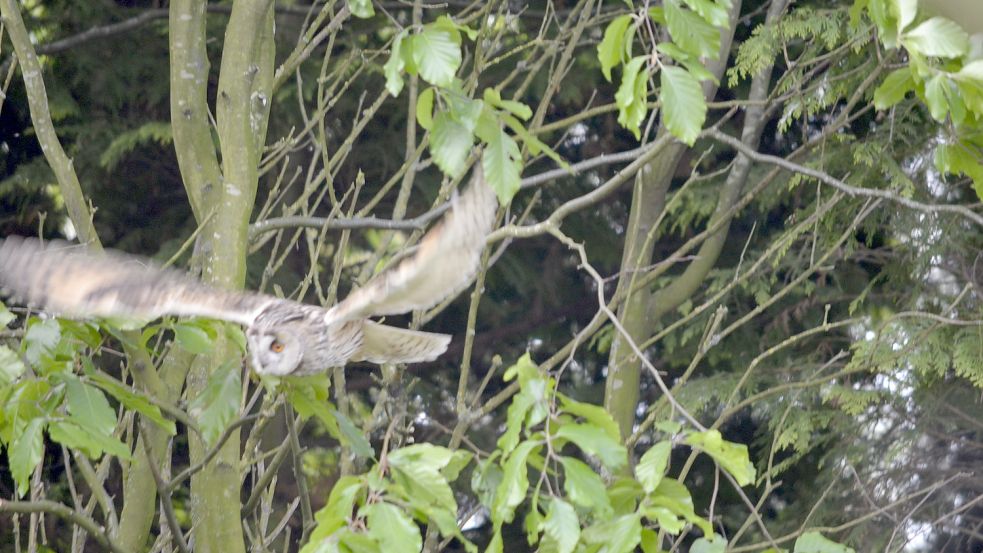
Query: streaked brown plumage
[[285, 337]]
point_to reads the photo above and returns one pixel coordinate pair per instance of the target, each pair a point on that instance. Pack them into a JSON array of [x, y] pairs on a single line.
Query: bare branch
[[842, 186], [62, 511]]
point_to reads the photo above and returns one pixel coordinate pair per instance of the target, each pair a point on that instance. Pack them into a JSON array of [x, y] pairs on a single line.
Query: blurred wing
[[442, 266], [386, 344], [73, 281]]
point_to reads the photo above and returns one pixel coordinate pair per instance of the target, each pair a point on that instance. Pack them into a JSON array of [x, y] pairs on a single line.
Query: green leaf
[[393, 69], [612, 46], [631, 96], [424, 486], [133, 400], [814, 542], [652, 466], [11, 367], [235, 334], [594, 414], [674, 496], [361, 9], [502, 162], [669, 427], [687, 60], [533, 525], [683, 107], [583, 486], [335, 514], [27, 399], [535, 145], [881, 14], [486, 478], [712, 12], [667, 520], [40, 339], [424, 108], [562, 525], [594, 440], [528, 407], [972, 71], [524, 368], [193, 338], [618, 535], [690, 32], [495, 545], [218, 403], [74, 435], [352, 436], [898, 83], [25, 453], [957, 104], [515, 481], [520, 406], [657, 14], [907, 10], [650, 541], [392, 528], [89, 407], [5, 316], [446, 521], [416, 471], [731, 457], [356, 542], [437, 53], [937, 37], [703, 545], [493, 98], [309, 397], [87, 333], [624, 494], [450, 144], [459, 460], [960, 158], [116, 324], [936, 97], [433, 456], [467, 111]]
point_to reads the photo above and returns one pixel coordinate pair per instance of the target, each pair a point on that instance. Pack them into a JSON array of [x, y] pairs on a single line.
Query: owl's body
[[285, 337]]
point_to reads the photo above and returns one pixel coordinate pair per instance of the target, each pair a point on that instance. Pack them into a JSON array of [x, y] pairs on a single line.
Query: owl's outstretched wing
[[70, 280], [386, 344], [442, 266]]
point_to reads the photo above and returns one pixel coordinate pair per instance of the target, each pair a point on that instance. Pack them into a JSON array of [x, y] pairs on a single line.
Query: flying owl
[[284, 337]]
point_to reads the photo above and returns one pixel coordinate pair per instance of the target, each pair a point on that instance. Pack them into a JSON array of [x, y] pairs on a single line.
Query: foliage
[[694, 29]]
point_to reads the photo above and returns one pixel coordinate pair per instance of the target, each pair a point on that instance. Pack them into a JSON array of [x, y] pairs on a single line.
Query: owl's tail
[[387, 344]]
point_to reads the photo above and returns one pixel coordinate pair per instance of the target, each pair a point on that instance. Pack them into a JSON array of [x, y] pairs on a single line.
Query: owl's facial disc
[[272, 352]]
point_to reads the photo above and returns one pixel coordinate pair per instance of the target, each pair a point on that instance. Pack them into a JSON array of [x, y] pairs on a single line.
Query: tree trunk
[[621, 391]]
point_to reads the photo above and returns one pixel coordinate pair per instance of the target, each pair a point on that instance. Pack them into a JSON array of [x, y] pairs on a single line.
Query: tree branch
[[62, 511], [836, 183], [37, 97]]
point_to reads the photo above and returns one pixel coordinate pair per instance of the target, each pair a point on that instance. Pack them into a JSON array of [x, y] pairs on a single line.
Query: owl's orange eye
[[276, 346]]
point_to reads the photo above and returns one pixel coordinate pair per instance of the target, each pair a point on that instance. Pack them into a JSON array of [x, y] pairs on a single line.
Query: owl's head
[[274, 351]]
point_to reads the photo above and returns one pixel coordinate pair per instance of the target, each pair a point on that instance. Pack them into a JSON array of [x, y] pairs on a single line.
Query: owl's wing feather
[[70, 280], [387, 344], [442, 266]]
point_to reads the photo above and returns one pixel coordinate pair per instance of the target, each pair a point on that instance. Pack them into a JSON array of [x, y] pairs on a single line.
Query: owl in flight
[[285, 337]]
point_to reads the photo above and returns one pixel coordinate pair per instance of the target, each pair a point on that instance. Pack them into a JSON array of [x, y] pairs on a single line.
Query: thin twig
[[165, 499], [67, 513], [839, 184]]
